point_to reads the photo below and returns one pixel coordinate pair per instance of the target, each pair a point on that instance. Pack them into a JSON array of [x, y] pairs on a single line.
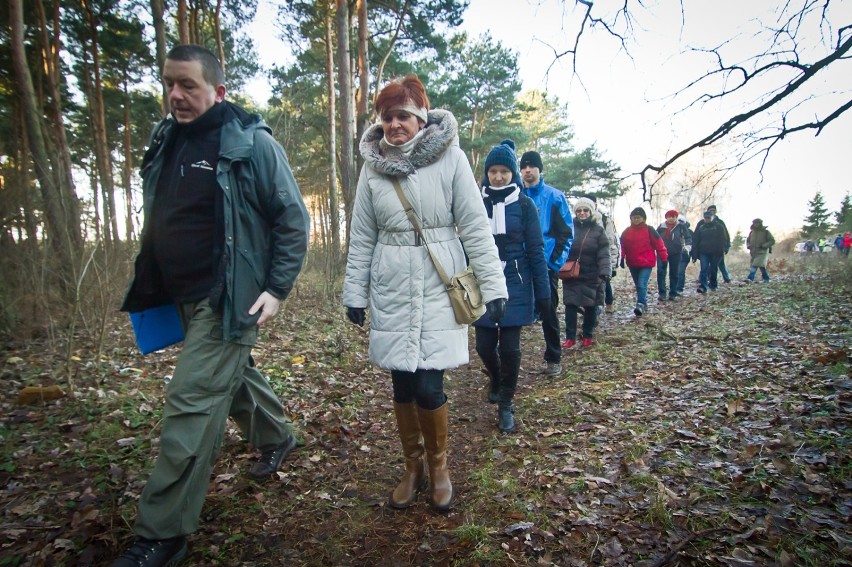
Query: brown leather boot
[[433, 423], [414, 477]]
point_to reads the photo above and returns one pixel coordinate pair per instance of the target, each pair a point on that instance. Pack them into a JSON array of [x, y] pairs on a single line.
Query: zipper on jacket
[[518, 271]]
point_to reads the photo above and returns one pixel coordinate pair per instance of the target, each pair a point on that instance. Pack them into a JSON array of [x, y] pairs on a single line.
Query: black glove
[[694, 259], [542, 305], [622, 263], [357, 315], [613, 274], [496, 308]]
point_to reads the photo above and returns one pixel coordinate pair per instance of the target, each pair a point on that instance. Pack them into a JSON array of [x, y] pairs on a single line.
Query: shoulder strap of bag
[[582, 243], [412, 217]]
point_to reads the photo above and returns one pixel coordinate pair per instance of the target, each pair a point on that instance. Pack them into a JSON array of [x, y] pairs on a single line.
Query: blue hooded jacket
[[557, 226]]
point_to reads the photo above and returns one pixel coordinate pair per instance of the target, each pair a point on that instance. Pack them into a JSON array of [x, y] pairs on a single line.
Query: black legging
[[426, 387], [500, 351]]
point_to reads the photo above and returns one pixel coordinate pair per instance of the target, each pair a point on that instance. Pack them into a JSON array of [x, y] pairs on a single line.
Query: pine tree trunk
[[347, 110], [157, 9], [183, 22], [363, 76], [102, 152], [58, 209], [333, 205], [127, 166]]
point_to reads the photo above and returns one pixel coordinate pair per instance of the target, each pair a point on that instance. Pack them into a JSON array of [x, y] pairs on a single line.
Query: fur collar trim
[[440, 133]]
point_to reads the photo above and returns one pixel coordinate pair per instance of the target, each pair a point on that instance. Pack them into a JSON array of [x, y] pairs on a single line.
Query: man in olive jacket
[[224, 238]]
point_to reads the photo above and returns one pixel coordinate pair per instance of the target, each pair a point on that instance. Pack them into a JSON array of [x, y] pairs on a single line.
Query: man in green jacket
[[224, 238]]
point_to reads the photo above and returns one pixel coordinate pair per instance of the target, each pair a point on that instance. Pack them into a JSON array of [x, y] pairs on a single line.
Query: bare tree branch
[[807, 72]]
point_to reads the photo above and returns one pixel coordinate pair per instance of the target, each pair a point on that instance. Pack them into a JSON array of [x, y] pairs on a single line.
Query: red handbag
[[570, 270]]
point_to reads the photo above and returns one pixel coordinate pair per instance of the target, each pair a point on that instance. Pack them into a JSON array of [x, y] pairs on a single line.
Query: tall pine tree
[[817, 222], [844, 215]]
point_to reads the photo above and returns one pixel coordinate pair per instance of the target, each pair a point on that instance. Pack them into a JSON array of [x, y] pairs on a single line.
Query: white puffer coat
[[411, 320]]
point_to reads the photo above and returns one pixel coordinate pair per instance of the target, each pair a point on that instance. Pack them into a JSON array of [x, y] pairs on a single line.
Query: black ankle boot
[[153, 553], [506, 418], [493, 389]]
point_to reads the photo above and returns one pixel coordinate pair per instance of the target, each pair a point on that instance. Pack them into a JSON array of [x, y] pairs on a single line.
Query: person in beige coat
[[413, 331], [759, 243]]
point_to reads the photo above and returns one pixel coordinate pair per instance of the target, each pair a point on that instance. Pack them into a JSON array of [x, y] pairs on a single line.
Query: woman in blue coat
[[517, 233]]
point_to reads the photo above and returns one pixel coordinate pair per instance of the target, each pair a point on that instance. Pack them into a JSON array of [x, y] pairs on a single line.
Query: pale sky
[[623, 106]]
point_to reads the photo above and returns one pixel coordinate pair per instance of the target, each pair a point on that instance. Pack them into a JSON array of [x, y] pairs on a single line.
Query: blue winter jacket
[[557, 226], [522, 248]]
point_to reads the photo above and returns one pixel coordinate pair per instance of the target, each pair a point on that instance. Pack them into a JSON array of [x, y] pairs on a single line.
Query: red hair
[[397, 93]]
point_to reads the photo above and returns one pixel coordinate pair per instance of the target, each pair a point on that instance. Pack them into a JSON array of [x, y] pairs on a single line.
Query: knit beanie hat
[[504, 155], [672, 213], [584, 203], [533, 159], [639, 211]]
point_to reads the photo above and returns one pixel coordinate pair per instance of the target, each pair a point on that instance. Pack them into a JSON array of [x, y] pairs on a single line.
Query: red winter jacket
[[638, 244]]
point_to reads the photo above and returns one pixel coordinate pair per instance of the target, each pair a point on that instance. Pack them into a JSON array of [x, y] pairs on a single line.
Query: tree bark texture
[[157, 9], [347, 110], [363, 76], [333, 204], [183, 22], [96, 103], [61, 211]]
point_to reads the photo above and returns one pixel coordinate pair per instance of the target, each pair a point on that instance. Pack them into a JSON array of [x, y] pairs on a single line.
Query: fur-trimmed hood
[[441, 132]]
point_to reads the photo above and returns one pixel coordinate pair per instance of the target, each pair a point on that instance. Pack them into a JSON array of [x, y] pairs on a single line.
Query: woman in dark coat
[[591, 248], [517, 233]]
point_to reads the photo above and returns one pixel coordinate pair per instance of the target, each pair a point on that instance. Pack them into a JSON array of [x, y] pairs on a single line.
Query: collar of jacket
[[534, 190], [440, 132]]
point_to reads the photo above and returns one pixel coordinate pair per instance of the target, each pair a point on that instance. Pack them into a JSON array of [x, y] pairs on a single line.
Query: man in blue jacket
[[224, 238], [557, 227]]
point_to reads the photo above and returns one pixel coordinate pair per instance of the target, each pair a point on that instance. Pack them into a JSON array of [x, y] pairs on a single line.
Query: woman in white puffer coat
[[413, 331]]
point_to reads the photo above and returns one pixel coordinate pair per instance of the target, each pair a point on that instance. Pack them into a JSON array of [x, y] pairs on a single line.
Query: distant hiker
[[554, 215], [413, 330], [225, 235], [759, 243], [709, 243], [838, 243], [810, 247], [847, 242], [726, 277], [517, 233], [641, 246], [591, 248], [608, 224], [821, 244], [684, 256], [674, 237]]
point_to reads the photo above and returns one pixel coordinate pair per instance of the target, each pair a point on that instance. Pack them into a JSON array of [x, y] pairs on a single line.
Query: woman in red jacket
[[641, 245]]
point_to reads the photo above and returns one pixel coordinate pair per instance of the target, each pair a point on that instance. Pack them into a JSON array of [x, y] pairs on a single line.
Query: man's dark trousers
[[213, 379], [550, 321]]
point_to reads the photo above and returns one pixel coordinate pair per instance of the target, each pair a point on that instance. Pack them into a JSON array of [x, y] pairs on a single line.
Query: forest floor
[[715, 430]]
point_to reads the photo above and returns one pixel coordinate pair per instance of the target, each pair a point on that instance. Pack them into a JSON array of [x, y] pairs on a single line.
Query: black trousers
[[590, 320], [550, 321]]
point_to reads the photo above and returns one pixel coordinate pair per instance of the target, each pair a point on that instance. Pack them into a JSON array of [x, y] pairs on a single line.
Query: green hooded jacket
[[266, 223]]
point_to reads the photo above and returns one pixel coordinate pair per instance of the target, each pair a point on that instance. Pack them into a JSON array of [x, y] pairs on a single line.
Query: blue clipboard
[[157, 328]]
